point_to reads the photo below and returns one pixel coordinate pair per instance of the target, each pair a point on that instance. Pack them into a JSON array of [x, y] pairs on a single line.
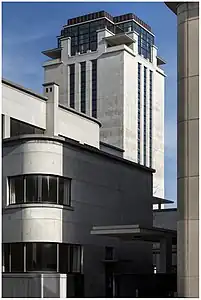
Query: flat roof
[[134, 232], [119, 39], [160, 61], [52, 53]]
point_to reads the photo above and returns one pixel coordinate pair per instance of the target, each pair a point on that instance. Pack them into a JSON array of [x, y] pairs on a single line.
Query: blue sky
[[30, 27]]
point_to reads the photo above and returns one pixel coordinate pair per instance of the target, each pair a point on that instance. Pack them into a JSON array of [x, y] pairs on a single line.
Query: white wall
[[35, 111], [77, 127], [158, 134], [23, 106], [110, 96], [130, 106]]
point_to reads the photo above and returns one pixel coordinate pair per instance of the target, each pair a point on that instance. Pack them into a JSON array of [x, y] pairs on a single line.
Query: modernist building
[[66, 198], [108, 68]]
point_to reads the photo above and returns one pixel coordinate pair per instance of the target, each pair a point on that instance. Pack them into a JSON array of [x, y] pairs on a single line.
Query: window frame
[[67, 182]]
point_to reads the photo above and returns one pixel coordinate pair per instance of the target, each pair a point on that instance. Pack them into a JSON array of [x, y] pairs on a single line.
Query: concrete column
[[188, 148], [65, 48], [51, 91], [6, 127], [165, 256]]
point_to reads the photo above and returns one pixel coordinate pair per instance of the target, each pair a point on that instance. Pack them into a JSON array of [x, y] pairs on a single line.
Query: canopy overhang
[[134, 232]]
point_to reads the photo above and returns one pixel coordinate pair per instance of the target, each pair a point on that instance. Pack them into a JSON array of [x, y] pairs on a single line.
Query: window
[[49, 188], [64, 191], [32, 191], [150, 116], [145, 115], [40, 188], [17, 257], [24, 257], [83, 87], [18, 128], [64, 258], [75, 254], [94, 88], [41, 256], [6, 257], [72, 85], [109, 253], [16, 185], [139, 109], [83, 35]]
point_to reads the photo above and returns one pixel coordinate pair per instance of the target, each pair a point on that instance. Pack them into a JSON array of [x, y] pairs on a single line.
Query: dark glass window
[[41, 257], [75, 253], [145, 39], [94, 88], [18, 128], [109, 253], [64, 191], [16, 186], [40, 188], [49, 189], [150, 115], [64, 258], [32, 191], [83, 87], [84, 36], [145, 114], [139, 109], [72, 85], [17, 257], [5, 258]]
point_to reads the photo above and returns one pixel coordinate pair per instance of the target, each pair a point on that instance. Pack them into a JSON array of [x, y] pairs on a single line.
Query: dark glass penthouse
[[83, 31]]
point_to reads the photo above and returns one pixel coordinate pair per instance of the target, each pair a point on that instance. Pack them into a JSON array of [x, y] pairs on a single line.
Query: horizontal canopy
[[134, 232]]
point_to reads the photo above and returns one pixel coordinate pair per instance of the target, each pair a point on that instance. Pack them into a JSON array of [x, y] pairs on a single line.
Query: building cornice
[[22, 89], [73, 143]]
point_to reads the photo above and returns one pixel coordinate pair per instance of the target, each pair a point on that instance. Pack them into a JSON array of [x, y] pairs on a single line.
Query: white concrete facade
[[45, 113], [101, 189], [117, 97]]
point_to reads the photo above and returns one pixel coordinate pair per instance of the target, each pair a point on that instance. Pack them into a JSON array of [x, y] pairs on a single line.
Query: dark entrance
[[145, 285]]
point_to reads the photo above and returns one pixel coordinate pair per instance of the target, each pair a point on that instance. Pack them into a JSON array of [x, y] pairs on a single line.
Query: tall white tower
[[108, 68]]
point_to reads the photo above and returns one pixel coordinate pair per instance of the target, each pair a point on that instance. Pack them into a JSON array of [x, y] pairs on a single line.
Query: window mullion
[[25, 252], [57, 190], [9, 265], [24, 200], [58, 257]]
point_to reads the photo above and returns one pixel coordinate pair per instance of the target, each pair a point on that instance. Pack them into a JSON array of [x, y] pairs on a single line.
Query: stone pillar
[[165, 256], [188, 148], [51, 91]]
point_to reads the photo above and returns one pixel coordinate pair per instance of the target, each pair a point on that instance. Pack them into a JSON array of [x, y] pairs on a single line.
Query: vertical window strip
[[83, 86], [72, 85], [145, 115], [94, 88], [150, 117], [139, 114]]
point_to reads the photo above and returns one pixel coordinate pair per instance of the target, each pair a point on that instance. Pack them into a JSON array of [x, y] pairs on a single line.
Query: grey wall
[[166, 218]]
